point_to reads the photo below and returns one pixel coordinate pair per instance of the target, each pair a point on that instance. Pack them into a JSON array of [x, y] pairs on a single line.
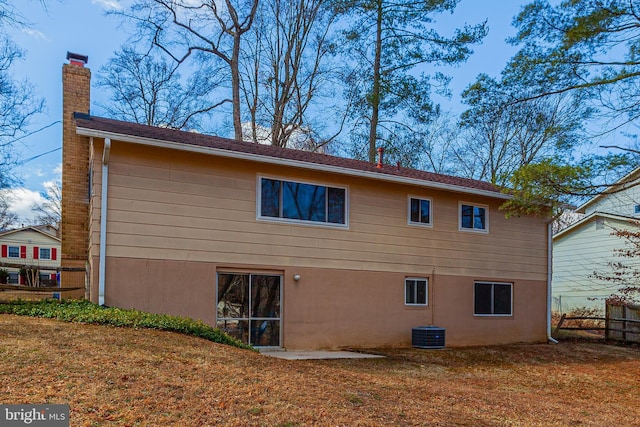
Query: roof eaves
[[588, 218], [631, 176], [29, 227], [288, 162]]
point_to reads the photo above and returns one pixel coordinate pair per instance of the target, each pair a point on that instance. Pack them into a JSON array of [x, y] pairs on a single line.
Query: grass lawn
[[128, 377]]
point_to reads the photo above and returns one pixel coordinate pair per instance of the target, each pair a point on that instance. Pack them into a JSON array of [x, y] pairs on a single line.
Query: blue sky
[[81, 26]]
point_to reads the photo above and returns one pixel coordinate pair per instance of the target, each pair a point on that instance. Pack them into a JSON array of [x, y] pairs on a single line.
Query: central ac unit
[[427, 337]]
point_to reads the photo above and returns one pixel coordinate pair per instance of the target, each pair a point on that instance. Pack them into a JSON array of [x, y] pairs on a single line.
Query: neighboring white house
[[32, 247], [589, 246]]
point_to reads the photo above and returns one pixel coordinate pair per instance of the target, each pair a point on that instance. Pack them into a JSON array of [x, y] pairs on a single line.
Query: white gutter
[[288, 162], [103, 219], [549, 277]]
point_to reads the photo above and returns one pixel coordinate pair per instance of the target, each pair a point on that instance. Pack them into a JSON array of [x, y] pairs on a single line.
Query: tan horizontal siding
[[397, 263], [170, 205], [313, 237]]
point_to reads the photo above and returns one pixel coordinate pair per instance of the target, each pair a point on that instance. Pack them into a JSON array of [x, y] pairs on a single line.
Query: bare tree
[[182, 28], [50, 210], [287, 73], [18, 102], [503, 137], [8, 219], [623, 275], [147, 88]]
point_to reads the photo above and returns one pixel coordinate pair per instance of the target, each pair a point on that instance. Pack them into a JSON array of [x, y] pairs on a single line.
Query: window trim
[[489, 282], [420, 224], [484, 230], [9, 251], [426, 291], [260, 217]]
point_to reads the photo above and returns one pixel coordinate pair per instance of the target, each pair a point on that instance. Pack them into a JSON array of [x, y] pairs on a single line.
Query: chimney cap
[[77, 59]]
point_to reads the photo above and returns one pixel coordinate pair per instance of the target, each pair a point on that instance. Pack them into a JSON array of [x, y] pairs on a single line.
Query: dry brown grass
[[125, 377]]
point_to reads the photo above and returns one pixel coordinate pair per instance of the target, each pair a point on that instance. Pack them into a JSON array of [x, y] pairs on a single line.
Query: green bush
[[86, 312]]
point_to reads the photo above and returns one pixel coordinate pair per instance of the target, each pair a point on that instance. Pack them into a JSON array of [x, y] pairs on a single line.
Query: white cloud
[[108, 4], [20, 202], [38, 35], [58, 171]]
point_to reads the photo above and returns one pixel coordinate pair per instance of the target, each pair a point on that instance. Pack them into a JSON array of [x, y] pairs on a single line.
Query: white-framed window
[[600, 224], [45, 253], [13, 251], [14, 278], [492, 299], [473, 217], [420, 211], [416, 291], [309, 203]]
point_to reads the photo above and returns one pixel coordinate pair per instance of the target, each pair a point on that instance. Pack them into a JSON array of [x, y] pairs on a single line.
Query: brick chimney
[[76, 83]]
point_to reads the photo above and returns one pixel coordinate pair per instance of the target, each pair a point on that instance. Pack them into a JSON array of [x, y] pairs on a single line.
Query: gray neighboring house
[[589, 246]]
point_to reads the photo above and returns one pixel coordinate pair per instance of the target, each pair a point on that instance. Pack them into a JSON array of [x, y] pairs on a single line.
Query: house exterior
[[589, 246], [291, 249], [32, 247]]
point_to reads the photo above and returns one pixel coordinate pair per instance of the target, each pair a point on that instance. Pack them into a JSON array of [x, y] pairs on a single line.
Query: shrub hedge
[[82, 311]]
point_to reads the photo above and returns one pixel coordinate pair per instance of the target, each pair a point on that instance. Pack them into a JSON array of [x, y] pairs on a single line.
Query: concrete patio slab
[[311, 355]]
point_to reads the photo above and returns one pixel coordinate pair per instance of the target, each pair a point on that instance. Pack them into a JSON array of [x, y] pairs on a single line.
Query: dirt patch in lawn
[[116, 376]]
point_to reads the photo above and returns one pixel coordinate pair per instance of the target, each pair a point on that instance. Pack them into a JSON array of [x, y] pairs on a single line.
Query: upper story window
[[297, 201], [636, 209], [474, 217], [45, 253], [420, 211], [13, 251]]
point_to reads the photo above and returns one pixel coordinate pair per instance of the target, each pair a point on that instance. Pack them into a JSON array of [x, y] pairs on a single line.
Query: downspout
[[549, 277], [103, 219]]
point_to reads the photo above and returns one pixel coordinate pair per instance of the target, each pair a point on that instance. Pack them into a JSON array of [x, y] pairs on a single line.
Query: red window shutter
[[4, 251], [54, 254], [53, 276], [20, 279], [23, 251], [36, 252]]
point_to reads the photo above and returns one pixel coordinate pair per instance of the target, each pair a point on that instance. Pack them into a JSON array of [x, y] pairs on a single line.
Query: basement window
[[493, 299], [415, 291]]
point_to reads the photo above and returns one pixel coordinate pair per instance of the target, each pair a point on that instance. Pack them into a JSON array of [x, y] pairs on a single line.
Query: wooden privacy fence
[[621, 323]]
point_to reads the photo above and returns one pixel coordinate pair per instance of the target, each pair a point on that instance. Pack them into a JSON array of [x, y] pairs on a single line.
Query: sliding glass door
[[248, 307]]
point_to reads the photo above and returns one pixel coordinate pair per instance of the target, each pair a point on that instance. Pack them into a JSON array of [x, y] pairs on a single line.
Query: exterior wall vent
[[427, 337]]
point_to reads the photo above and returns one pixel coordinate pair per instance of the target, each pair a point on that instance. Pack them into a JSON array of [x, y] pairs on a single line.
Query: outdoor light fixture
[[296, 277]]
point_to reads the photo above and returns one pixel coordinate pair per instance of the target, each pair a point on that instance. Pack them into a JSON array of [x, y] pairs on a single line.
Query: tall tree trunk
[[375, 91], [235, 86]]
